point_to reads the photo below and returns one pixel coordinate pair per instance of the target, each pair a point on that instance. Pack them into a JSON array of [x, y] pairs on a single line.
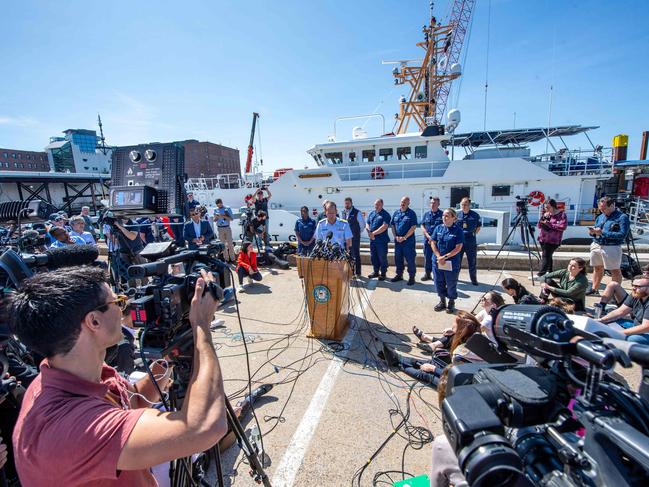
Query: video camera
[[521, 204], [519, 424], [161, 308]]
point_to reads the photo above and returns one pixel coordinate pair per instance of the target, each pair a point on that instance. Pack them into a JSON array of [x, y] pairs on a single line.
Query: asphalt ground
[[334, 405]]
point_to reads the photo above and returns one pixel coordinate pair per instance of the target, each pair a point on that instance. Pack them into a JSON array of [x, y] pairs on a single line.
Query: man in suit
[[197, 231]]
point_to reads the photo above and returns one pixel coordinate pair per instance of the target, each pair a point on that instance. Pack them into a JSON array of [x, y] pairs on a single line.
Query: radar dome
[[456, 68], [359, 133], [453, 119]]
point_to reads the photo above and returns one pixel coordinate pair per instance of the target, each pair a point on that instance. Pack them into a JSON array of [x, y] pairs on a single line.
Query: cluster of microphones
[[326, 250]]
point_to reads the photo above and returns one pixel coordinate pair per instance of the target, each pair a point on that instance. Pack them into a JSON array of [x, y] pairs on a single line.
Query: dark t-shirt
[[261, 204], [639, 309]]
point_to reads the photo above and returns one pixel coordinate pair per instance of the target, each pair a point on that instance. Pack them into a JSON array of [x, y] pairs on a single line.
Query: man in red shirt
[[80, 423]]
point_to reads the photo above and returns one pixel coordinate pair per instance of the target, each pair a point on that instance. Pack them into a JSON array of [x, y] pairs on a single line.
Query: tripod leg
[[216, 451], [509, 236]]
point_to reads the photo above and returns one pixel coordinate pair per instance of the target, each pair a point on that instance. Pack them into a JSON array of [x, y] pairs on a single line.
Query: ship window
[[352, 156], [421, 152], [334, 157], [385, 154], [369, 155], [501, 190], [316, 159], [404, 153]]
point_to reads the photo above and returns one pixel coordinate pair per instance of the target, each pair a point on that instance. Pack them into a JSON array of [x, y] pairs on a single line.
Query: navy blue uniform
[[402, 221], [305, 229], [446, 238], [379, 246], [430, 221], [470, 222]]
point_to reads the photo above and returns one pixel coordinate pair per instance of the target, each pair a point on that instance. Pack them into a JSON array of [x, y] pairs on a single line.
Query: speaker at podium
[[326, 285]]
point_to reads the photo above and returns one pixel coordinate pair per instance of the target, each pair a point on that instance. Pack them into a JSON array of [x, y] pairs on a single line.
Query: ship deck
[[334, 404]]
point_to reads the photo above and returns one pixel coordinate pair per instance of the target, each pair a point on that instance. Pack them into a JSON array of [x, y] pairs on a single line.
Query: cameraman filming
[[81, 424], [257, 227]]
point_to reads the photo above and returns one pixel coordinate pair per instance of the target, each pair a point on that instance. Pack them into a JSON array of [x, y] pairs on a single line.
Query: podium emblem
[[321, 294]]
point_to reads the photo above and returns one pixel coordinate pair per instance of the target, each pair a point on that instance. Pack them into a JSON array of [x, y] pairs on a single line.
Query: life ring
[[537, 198], [377, 172], [248, 199]]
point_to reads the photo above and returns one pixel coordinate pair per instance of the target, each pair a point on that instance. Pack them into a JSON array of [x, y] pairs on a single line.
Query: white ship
[[496, 167]]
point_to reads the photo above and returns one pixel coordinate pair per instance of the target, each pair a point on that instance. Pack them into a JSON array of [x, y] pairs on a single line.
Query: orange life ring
[[377, 172], [537, 198], [248, 199]]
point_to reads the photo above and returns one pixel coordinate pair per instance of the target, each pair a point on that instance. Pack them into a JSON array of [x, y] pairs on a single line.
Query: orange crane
[[255, 116]]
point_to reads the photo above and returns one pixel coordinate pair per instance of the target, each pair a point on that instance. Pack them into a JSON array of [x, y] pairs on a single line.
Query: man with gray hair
[[77, 224], [87, 221]]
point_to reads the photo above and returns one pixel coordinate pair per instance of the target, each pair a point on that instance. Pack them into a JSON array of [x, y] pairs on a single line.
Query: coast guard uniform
[[339, 228], [402, 221], [379, 246], [446, 238], [430, 221], [470, 222], [305, 229], [356, 224]]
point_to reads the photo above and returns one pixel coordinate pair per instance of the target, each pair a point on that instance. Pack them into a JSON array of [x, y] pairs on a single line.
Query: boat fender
[[536, 198], [377, 172]]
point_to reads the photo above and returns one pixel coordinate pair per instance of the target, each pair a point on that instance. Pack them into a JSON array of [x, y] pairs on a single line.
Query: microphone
[[68, 256], [330, 234], [636, 351]]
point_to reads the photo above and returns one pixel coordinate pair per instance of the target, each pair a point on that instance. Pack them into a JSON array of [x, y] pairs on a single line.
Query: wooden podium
[[326, 285]]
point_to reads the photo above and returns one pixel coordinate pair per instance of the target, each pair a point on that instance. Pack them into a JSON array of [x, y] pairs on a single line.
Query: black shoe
[[390, 356], [593, 292], [411, 280], [382, 277], [427, 277], [475, 283], [425, 347], [541, 273], [396, 278], [440, 306], [373, 275], [451, 306]]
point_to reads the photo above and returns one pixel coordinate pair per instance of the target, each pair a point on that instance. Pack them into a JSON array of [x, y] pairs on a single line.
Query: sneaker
[[390, 356], [427, 277], [250, 281], [241, 289], [396, 278], [411, 281], [440, 306], [382, 277], [451, 306], [427, 349], [373, 275]]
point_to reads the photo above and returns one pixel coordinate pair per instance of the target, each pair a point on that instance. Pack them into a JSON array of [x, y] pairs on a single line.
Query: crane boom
[[255, 116]]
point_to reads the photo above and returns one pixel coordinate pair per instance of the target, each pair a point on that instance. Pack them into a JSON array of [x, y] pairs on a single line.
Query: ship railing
[[378, 170], [575, 162], [231, 181]]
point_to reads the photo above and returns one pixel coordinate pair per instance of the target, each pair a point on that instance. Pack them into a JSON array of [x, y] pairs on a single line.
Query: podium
[[326, 285]]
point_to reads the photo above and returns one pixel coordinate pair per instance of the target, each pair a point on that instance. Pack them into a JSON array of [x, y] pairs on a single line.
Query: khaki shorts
[[610, 256]]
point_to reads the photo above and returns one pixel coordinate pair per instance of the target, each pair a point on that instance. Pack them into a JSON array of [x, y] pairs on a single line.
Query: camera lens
[[490, 461]]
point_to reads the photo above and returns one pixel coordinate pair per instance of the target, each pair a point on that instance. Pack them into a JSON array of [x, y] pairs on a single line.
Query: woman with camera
[[552, 224], [247, 266]]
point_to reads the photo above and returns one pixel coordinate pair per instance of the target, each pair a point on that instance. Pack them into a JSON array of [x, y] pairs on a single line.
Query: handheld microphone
[[330, 234], [68, 256]]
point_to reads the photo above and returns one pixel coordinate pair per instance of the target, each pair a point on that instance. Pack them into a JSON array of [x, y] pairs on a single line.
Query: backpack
[[629, 267]]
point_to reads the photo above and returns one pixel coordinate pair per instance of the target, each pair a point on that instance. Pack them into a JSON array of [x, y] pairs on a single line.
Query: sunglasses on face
[[121, 302], [639, 286]]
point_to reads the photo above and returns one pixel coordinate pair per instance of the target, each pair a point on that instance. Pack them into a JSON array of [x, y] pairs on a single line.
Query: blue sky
[[169, 70]]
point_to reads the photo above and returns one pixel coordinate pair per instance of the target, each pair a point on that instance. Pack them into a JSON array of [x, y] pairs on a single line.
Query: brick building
[[205, 159], [23, 160]]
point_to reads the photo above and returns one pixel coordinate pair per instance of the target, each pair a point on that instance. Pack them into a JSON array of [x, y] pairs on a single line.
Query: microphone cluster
[[326, 250]]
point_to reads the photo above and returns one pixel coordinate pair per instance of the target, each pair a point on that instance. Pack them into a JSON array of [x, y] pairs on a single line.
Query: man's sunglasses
[[121, 301]]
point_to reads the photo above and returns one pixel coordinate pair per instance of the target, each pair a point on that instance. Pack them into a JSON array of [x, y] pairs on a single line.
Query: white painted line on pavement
[[293, 457]]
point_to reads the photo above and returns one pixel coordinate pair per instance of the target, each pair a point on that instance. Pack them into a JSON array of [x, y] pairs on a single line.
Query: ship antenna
[[102, 139]]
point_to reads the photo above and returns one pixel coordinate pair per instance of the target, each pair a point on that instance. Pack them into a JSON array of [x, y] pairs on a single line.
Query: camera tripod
[[188, 472], [527, 235]]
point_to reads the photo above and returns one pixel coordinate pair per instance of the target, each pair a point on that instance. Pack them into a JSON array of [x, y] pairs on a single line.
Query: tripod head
[[521, 204]]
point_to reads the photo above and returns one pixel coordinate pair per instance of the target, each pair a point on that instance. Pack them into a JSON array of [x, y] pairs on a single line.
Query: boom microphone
[[68, 256]]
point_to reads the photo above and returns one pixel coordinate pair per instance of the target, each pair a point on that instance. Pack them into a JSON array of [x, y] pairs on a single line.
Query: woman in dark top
[[570, 283], [516, 290]]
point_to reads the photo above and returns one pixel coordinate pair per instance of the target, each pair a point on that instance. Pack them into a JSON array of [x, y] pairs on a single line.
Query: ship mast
[[430, 83]]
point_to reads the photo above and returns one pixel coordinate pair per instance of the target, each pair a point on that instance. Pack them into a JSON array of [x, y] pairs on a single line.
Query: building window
[[404, 153], [13, 155], [385, 154], [503, 190], [421, 152], [352, 156], [28, 157], [5, 155], [369, 155]]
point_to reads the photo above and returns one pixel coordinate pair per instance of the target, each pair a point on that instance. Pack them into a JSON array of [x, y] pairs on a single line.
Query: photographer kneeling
[[81, 423]]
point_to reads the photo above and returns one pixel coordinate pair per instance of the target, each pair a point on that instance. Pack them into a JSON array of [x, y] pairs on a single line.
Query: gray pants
[[225, 236]]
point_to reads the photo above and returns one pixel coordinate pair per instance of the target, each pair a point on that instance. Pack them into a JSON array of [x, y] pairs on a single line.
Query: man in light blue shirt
[[61, 238], [341, 233], [77, 223], [222, 217]]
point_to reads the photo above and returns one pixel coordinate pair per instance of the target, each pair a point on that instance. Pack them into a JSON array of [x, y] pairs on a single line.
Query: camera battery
[[143, 311]]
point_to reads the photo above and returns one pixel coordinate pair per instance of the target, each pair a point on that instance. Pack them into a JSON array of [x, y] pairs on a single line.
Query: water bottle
[[597, 310], [255, 438]]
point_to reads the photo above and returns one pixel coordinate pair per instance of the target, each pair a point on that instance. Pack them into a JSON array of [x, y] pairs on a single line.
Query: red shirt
[[248, 261], [71, 432]]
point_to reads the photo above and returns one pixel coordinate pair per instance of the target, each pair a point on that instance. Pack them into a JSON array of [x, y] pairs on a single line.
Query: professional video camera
[[519, 424], [521, 204], [162, 307]]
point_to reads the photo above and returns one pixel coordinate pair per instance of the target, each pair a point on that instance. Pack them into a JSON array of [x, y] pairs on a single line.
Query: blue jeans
[[446, 282], [641, 338], [405, 250], [379, 255]]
